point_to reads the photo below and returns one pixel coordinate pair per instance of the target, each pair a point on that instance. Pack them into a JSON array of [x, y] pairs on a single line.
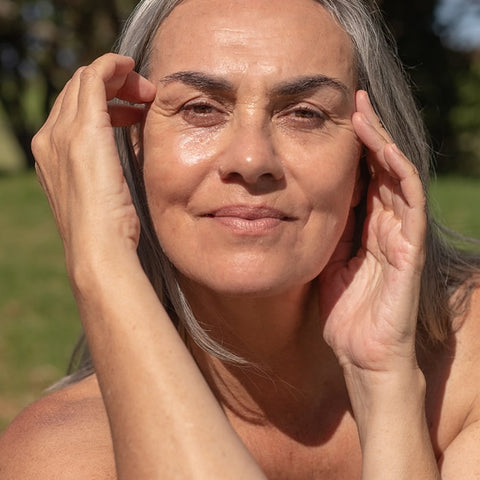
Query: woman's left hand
[[369, 303]]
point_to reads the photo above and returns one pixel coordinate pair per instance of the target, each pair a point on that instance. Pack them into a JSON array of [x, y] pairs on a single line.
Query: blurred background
[[42, 42]]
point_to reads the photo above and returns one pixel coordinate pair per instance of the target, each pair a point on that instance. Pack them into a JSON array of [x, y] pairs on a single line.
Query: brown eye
[[202, 114], [306, 113], [201, 109], [309, 114], [303, 117]]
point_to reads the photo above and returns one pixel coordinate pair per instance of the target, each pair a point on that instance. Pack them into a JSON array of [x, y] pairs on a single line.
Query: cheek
[[327, 169], [194, 148], [175, 164]]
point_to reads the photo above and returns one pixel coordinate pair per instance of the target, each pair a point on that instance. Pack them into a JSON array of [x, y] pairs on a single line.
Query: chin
[[258, 285]]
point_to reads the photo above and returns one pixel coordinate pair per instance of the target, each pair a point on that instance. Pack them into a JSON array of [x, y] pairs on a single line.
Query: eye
[[202, 114], [306, 113], [200, 109], [304, 116]]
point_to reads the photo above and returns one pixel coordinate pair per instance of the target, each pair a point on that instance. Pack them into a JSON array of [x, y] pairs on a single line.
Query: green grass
[[38, 319], [12, 159], [456, 202]]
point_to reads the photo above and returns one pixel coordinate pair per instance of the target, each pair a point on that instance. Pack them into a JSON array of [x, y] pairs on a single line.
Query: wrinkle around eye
[[163, 108], [305, 118], [203, 114]]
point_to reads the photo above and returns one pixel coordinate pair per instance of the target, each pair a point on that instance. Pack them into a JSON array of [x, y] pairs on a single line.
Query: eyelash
[[212, 115], [190, 107], [310, 116]]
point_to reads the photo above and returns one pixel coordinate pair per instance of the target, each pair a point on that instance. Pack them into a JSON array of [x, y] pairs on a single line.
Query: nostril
[[231, 176], [250, 177], [250, 159]]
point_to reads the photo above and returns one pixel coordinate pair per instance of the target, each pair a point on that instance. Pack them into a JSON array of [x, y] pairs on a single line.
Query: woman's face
[[250, 158]]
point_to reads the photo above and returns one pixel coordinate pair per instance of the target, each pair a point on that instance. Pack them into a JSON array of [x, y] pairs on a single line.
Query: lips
[[247, 220], [246, 212]]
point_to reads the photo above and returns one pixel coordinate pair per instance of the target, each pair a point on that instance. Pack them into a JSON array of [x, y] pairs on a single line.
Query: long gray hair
[[381, 75]]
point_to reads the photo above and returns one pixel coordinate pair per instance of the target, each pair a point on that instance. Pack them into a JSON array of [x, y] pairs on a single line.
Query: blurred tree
[[41, 43], [445, 79], [458, 24], [465, 117], [430, 67]]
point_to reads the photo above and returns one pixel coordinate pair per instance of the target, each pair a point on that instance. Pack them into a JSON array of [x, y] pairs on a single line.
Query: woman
[[295, 336]]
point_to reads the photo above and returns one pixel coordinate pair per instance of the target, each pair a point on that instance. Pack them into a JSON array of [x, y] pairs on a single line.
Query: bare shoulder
[[458, 428], [467, 355], [453, 380], [64, 435]]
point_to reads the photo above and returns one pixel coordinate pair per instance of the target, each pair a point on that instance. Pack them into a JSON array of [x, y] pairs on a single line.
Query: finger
[[126, 115], [69, 104], [112, 70], [370, 131], [414, 219], [371, 137], [59, 115], [398, 185], [406, 176], [99, 82], [402, 195], [119, 80], [58, 106], [106, 78], [137, 89], [64, 109], [364, 105]]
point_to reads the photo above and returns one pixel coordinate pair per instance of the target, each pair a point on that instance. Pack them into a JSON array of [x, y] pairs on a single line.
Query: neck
[[292, 371]]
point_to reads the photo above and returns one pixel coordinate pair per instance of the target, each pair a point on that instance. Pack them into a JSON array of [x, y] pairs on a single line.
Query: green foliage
[[465, 117], [440, 78], [454, 201], [42, 42]]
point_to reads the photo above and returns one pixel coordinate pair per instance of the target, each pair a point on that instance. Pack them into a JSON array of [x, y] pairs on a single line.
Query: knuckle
[[415, 171], [88, 74], [36, 143], [39, 145], [109, 56], [48, 144], [77, 73]]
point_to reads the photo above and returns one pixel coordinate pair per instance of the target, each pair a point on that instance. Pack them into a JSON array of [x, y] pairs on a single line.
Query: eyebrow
[[302, 85], [200, 80], [297, 86]]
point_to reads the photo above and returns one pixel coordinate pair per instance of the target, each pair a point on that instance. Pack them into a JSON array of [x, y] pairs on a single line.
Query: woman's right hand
[[78, 165], [144, 370]]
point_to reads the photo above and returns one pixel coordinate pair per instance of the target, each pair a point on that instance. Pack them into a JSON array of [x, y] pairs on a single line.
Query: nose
[[251, 157]]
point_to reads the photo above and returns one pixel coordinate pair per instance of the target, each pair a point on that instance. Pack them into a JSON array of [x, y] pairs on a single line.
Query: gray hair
[[381, 75]]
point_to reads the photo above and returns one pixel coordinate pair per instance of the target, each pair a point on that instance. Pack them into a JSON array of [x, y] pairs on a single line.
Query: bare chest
[[331, 455]]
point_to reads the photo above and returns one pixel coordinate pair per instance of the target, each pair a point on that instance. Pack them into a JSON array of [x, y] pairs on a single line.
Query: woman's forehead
[[264, 37]]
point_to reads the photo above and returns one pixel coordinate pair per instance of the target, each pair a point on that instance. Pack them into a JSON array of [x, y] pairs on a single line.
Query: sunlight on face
[[250, 156]]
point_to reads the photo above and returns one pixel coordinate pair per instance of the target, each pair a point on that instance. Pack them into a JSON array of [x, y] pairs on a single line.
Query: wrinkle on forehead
[[258, 36]]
